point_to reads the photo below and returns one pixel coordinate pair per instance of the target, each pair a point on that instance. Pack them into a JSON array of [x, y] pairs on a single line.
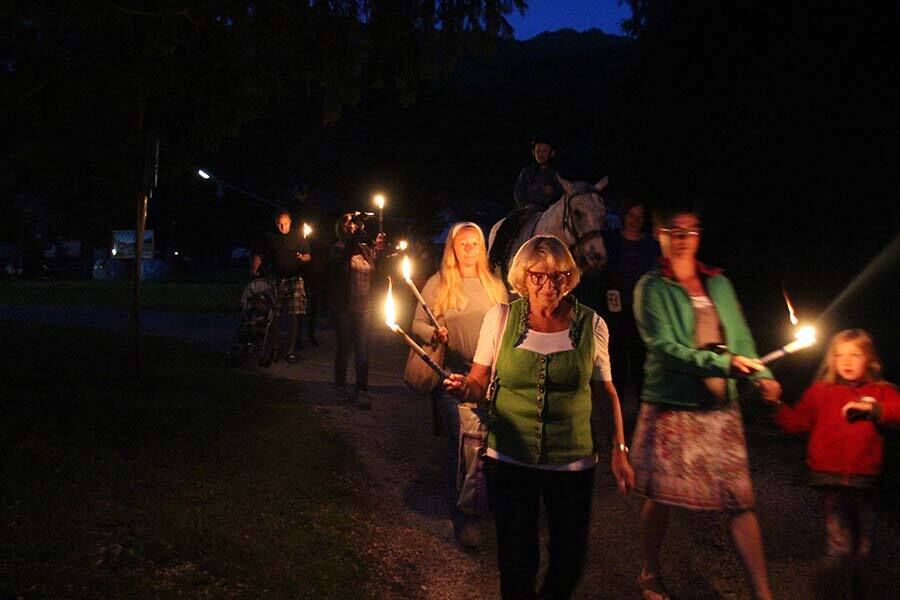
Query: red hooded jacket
[[837, 446]]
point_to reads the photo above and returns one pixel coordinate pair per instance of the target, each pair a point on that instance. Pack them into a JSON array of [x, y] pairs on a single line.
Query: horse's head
[[584, 219]]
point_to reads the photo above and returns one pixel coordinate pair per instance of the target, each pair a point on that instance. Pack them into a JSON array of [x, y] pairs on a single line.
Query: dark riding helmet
[[542, 138]]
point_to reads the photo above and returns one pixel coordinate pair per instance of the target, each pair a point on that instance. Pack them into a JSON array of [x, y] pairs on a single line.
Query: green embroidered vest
[[542, 403]]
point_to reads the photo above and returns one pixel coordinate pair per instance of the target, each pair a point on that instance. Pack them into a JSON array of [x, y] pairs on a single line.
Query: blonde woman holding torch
[[459, 295]]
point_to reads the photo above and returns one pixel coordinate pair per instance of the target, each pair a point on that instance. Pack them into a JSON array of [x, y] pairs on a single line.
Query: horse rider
[[537, 187]]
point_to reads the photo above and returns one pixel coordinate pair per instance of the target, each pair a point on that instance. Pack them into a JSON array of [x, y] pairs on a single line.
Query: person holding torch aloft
[[283, 254], [459, 295], [688, 448]]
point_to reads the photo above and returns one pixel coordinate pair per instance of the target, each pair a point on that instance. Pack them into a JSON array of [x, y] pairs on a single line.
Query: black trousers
[[516, 493], [353, 329]]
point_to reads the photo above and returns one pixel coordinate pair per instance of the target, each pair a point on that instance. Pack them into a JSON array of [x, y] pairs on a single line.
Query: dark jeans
[[626, 350], [315, 302], [627, 355], [850, 525], [353, 330], [447, 407], [515, 493]]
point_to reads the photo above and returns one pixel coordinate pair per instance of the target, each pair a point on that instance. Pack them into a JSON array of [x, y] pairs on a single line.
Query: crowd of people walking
[[541, 368]]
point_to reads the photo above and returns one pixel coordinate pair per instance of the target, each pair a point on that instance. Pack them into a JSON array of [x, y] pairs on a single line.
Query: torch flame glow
[[402, 245], [307, 230], [379, 200], [790, 307], [807, 335], [390, 312], [406, 266]]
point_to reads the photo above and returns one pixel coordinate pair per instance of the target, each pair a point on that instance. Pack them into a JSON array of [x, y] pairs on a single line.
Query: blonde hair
[[542, 248], [863, 339], [450, 293]]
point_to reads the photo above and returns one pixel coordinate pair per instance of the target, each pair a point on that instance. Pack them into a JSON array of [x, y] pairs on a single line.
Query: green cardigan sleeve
[[663, 326]]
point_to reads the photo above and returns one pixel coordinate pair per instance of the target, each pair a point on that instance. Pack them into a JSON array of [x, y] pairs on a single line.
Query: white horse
[[578, 219]]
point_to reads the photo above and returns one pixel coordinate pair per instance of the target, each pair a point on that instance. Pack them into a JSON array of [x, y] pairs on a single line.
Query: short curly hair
[[542, 248]]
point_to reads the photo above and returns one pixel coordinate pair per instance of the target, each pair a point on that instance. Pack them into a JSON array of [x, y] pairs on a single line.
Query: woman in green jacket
[[689, 449], [550, 361]]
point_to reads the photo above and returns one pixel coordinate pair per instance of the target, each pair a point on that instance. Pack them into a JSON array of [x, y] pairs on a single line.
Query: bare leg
[[654, 523], [748, 541]]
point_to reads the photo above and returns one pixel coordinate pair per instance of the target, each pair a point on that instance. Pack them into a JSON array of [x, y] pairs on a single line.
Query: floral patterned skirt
[[695, 459]]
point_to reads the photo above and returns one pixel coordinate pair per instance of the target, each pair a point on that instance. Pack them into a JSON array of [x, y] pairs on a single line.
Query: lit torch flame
[[406, 267], [790, 307], [402, 245], [379, 201], [390, 319], [307, 230], [390, 312], [806, 335]]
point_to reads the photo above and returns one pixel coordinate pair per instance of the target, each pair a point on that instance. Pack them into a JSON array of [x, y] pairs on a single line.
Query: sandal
[[652, 588]]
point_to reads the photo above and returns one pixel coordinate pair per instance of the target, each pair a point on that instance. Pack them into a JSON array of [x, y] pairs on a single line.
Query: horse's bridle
[[569, 228]]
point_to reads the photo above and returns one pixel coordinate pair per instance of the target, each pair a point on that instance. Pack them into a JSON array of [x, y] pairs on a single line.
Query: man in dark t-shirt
[[284, 252]]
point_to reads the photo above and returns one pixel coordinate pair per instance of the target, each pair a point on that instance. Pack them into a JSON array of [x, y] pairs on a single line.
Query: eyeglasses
[[682, 234], [539, 278]]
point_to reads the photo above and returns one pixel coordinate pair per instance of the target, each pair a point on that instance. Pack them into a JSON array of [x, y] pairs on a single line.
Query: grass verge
[[196, 481], [175, 296]]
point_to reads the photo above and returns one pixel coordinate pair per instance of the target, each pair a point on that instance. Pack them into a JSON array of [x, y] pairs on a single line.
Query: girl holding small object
[[459, 295], [842, 412]]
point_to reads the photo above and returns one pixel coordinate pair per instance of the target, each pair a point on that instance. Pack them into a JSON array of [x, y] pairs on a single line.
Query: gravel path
[[413, 543]]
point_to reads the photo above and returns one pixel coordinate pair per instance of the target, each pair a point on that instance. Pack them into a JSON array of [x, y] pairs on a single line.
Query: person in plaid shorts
[[284, 251]]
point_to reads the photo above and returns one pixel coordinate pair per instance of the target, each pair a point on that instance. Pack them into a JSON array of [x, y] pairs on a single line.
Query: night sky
[[580, 15]]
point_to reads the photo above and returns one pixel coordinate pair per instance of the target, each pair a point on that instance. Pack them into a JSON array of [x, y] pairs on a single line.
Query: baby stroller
[[258, 302]]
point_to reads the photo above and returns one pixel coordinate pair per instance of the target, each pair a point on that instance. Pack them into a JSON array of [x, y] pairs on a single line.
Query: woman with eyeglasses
[[689, 449], [547, 360]]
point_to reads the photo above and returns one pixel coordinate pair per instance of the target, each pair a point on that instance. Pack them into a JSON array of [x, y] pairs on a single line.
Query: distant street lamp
[[206, 175]]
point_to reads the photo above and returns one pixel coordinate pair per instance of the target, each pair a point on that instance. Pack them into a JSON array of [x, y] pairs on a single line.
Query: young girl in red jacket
[[843, 412]]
